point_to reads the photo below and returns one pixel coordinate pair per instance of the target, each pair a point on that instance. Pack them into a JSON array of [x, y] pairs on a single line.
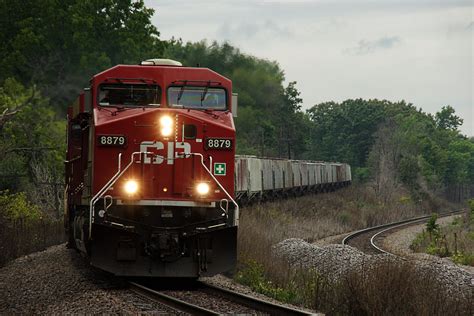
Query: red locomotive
[[150, 171]]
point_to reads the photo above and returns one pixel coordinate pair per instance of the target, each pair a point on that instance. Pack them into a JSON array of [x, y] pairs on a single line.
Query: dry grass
[[21, 237], [392, 288], [313, 217], [386, 289], [455, 240]]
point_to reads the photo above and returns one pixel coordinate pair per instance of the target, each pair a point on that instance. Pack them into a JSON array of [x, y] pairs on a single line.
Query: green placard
[[219, 169]]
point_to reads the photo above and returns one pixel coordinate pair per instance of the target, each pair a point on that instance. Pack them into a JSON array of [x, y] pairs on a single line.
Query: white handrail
[[236, 212], [107, 186], [120, 172]]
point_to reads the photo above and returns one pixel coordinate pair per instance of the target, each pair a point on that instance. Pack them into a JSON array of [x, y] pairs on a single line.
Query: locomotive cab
[[150, 171]]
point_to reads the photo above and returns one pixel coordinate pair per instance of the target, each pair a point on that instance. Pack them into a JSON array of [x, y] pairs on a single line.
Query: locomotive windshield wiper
[[204, 93], [181, 91]]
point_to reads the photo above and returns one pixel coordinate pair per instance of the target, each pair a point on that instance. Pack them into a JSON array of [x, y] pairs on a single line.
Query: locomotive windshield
[[129, 95], [197, 97]]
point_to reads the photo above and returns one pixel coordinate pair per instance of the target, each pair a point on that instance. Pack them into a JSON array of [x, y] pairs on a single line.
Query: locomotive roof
[[161, 74]]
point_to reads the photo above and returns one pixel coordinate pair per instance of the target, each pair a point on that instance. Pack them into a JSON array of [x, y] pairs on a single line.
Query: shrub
[[253, 275], [432, 227], [24, 229], [15, 206]]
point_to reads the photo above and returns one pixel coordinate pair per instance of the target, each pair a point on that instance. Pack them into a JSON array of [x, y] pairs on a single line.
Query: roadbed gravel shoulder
[[59, 281], [400, 240], [225, 282]]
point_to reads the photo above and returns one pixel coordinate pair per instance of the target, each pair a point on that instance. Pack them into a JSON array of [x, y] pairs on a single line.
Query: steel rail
[[232, 296], [253, 302], [365, 230], [390, 226], [372, 239], [170, 301]]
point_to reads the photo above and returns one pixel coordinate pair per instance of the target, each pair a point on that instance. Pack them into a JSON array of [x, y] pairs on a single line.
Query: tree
[[344, 132], [270, 120], [32, 145], [59, 45], [291, 122], [384, 159], [446, 119]]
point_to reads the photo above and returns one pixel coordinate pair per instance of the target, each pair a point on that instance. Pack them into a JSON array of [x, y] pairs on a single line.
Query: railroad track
[[365, 239], [198, 298]]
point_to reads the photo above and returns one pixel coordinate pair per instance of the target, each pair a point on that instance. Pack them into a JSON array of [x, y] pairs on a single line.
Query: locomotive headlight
[[202, 188], [166, 125], [131, 187]]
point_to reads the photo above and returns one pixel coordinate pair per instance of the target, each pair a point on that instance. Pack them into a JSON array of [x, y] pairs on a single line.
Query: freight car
[[152, 180], [262, 178]]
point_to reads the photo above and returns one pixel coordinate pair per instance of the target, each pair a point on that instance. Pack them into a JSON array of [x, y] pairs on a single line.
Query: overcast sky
[[417, 50]]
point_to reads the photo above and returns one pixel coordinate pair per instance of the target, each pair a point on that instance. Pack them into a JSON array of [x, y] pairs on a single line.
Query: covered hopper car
[[261, 178], [152, 180]]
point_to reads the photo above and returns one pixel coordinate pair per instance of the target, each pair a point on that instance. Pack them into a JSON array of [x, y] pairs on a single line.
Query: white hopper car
[[257, 178]]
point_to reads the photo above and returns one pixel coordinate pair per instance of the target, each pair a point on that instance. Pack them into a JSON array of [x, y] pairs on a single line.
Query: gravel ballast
[[59, 281], [335, 260]]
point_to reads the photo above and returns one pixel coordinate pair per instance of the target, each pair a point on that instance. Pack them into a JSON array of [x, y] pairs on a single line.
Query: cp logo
[[172, 151]]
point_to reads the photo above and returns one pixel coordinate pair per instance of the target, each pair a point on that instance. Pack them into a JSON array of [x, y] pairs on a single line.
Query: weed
[[382, 289], [253, 276], [454, 240]]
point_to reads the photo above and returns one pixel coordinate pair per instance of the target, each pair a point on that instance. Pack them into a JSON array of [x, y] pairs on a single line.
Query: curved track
[[365, 239], [203, 293]]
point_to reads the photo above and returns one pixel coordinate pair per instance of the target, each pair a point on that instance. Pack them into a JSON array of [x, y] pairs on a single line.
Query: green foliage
[[437, 249], [445, 119], [270, 121], [58, 45], [405, 200], [455, 240], [16, 206], [55, 47], [422, 151], [32, 144], [344, 218], [361, 174], [462, 258], [431, 226], [344, 132], [419, 241], [253, 275], [471, 212], [407, 168]]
